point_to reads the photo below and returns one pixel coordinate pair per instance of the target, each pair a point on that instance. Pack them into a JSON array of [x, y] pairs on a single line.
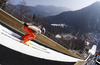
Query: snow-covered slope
[[10, 40]]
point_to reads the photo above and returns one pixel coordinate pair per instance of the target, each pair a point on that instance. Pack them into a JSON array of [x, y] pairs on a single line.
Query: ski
[[28, 43], [31, 45]]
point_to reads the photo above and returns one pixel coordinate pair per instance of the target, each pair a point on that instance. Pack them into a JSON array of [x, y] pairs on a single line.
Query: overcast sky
[[72, 4]]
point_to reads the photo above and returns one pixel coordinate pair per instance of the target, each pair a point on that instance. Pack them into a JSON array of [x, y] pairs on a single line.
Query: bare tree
[[3, 4], [23, 10], [9, 7]]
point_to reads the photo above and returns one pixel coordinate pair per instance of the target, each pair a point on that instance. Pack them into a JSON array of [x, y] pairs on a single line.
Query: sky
[[71, 4]]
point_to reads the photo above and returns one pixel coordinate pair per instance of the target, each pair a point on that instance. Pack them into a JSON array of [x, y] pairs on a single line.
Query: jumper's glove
[[25, 25], [38, 31]]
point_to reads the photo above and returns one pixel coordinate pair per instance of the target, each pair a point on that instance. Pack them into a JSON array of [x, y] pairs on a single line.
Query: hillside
[[40, 9], [85, 20]]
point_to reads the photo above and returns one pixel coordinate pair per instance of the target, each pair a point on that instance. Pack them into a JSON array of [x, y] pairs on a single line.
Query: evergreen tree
[[34, 19]]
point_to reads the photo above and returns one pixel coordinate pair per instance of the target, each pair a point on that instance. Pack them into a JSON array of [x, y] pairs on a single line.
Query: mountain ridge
[[85, 19], [42, 9]]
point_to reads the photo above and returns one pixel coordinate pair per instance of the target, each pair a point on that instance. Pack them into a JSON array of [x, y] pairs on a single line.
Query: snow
[[7, 39], [58, 36], [87, 43], [60, 25], [93, 50]]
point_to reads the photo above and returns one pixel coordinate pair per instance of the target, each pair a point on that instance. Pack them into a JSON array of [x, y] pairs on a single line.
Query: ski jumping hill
[[16, 24], [34, 49], [10, 40]]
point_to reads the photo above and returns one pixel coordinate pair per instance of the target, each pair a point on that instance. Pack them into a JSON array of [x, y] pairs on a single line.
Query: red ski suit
[[29, 36]]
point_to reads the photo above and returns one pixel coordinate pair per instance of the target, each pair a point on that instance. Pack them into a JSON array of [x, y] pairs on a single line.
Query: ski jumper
[[30, 33]]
